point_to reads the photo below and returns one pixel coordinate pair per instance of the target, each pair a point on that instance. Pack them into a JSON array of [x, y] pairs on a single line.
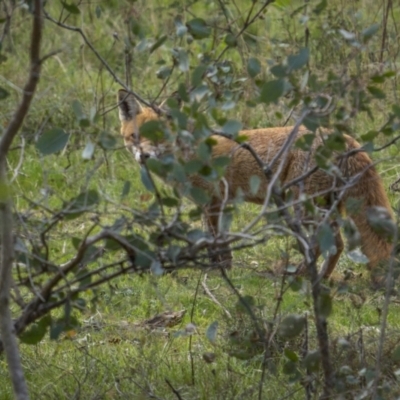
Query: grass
[[112, 354]]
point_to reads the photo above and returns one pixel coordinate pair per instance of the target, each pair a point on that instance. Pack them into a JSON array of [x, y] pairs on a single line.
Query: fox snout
[[144, 157], [141, 155]]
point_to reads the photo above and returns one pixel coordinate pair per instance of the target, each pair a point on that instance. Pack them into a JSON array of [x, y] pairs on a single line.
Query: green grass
[[110, 355]]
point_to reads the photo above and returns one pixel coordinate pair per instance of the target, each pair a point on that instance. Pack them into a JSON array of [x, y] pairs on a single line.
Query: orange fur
[[267, 142]]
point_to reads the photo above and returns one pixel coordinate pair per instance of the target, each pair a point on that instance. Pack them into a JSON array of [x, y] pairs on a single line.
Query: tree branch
[[6, 222]]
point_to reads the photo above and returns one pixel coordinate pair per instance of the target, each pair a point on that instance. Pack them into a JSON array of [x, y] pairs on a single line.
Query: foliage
[[90, 224]]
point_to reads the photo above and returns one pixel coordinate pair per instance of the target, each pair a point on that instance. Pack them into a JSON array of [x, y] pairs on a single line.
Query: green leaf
[[271, 91], [3, 93], [199, 196], [98, 11], [62, 325], [242, 139], [163, 72], [232, 127], [254, 182], [204, 152], [376, 92], [221, 161], [296, 283], [173, 253], [126, 188], [200, 92], [291, 355], [88, 151], [172, 103], [158, 43], [107, 141], [52, 141], [137, 28], [230, 40], [326, 238], [320, 7], [226, 222], [382, 77], [367, 33], [152, 130], [253, 67], [72, 8], [381, 222], [305, 142], [292, 326], [156, 166], [193, 166], [180, 27], [211, 333], [369, 136], [146, 180], [312, 122], [312, 361], [198, 28], [77, 108], [198, 74], [290, 368], [280, 71], [183, 60], [195, 235], [178, 173], [183, 94], [82, 203], [352, 234], [156, 268], [36, 331], [357, 256], [76, 242], [299, 60], [180, 117], [282, 4], [170, 202], [396, 110], [347, 35]]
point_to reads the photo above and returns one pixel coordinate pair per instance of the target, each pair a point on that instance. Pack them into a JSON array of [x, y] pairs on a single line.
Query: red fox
[[368, 187]]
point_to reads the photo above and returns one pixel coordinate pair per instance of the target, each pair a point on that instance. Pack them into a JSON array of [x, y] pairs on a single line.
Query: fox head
[[132, 116]]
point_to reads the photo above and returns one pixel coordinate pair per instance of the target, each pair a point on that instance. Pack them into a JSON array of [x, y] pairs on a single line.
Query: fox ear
[[128, 105]]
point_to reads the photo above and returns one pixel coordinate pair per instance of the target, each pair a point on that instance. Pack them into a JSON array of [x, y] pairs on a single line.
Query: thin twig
[[213, 298], [249, 20], [190, 337], [20, 161], [176, 393], [103, 61]]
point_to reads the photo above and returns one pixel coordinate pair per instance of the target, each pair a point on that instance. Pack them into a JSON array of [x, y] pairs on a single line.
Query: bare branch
[[213, 298]]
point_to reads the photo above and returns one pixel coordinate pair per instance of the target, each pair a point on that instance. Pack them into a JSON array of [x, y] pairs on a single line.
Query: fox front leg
[[220, 254]]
